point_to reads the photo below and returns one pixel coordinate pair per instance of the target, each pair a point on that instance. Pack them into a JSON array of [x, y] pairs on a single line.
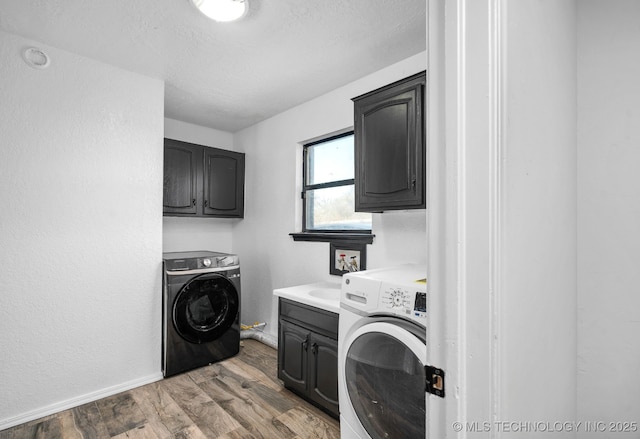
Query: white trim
[[440, 300], [326, 136], [78, 401], [466, 197], [498, 151], [459, 181]]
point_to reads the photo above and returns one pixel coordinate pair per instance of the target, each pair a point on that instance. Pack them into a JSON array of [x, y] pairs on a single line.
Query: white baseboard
[[77, 401]]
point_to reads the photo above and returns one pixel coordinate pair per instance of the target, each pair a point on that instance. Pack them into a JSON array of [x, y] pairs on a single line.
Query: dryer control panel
[[198, 261]]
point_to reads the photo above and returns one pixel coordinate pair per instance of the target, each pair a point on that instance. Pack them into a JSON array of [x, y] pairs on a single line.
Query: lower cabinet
[[308, 353]]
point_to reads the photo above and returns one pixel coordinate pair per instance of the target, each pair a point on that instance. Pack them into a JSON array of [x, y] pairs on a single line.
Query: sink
[[326, 293], [323, 295]]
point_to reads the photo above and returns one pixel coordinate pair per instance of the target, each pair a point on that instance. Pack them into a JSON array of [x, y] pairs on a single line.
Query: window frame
[[336, 183]]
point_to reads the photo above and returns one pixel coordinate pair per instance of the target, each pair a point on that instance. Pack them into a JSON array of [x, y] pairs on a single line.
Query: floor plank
[[240, 433], [142, 432], [251, 372], [238, 398], [88, 421], [204, 411], [163, 414], [307, 425], [44, 430], [191, 432], [68, 423], [120, 413]]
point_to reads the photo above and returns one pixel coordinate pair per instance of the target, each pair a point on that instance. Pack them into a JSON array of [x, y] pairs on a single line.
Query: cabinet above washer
[[200, 181]]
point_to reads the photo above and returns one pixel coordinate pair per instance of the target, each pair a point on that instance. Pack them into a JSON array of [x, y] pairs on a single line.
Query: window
[[328, 187]]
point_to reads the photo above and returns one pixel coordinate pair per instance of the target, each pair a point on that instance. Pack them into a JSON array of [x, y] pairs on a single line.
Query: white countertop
[[323, 295]]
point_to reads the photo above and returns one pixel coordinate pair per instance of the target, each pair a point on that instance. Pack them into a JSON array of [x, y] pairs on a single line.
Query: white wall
[[270, 258], [571, 212], [538, 303], [608, 211], [187, 234], [80, 231]]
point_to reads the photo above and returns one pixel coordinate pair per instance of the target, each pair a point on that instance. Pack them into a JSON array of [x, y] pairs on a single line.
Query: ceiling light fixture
[[222, 10]]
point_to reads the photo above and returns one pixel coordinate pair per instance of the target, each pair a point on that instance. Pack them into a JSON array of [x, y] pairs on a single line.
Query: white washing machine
[[382, 353]]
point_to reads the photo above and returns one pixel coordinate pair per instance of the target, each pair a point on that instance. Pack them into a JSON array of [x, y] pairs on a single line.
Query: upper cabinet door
[[223, 183], [389, 147], [181, 161]]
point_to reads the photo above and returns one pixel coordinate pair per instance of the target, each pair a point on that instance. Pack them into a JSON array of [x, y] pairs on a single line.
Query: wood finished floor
[[236, 398]]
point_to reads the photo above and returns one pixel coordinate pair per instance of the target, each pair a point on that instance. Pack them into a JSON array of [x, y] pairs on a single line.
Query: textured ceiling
[[230, 75]]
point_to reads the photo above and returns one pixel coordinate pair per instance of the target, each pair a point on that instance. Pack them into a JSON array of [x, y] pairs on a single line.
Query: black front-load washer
[[201, 309]]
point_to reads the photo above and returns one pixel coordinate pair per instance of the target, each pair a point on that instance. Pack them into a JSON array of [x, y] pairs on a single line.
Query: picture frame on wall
[[347, 257]]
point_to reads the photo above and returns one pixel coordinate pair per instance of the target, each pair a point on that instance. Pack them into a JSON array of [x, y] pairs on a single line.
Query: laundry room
[[93, 94]]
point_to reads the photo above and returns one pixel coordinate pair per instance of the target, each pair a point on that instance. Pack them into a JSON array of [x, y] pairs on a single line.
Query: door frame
[[465, 120]]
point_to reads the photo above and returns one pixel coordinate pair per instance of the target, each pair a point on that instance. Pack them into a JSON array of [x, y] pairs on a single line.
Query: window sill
[[356, 238]]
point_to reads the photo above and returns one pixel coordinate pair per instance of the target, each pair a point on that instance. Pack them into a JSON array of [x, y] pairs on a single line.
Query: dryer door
[[385, 379], [205, 308]]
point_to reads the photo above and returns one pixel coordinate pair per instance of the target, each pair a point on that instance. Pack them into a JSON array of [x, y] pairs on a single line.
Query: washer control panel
[[399, 290], [396, 298], [403, 301]]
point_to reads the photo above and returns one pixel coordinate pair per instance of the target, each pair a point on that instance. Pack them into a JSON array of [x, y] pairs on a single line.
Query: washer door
[[205, 308], [385, 379]]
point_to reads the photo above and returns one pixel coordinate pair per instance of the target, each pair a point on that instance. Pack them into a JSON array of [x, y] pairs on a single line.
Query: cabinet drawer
[[321, 321]]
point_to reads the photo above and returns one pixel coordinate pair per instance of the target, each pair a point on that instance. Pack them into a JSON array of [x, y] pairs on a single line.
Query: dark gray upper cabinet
[[201, 181], [390, 147]]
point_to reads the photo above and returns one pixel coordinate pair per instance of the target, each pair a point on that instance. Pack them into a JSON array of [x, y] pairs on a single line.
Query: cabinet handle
[[305, 343], [193, 202], [413, 184], [314, 348], [206, 202]]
